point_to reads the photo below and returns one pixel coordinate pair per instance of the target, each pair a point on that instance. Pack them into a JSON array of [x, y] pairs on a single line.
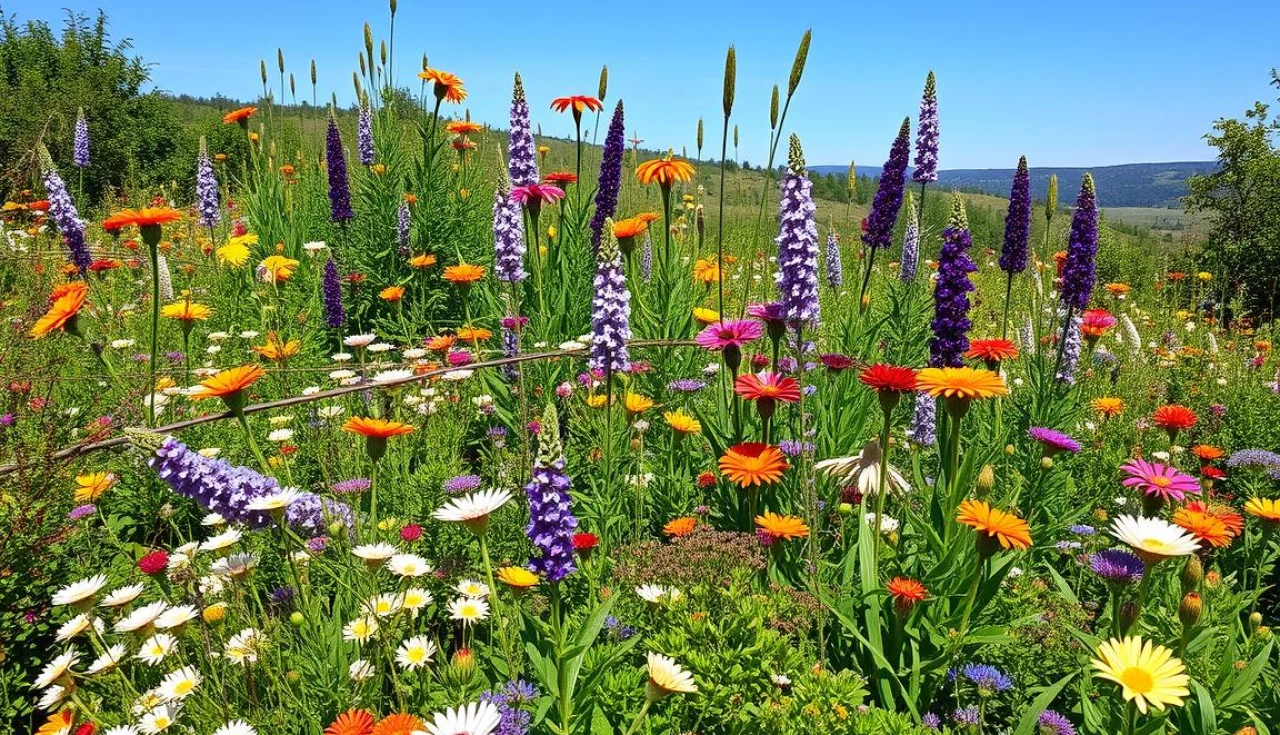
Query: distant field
[[1177, 222]]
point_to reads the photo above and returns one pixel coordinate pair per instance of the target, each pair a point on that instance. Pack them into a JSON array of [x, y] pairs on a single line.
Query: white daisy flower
[[52, 697], [79, 591], [472, 588], [213, 519], [468, 609], [235, 565], [108, 659], [317, 246], [384, 605], [886, 523], [473, 510], [148, 701], [651, 593], [178, 685], [224, 540], [57, 668], [158, 720], [73, 627], [249, 334], [341, 375], [416, 598], [275, 502], [176, 617], [359, 340], [236, 727], [457, 376], [408, 565], [379, 347], [141, 617], [863, 471], [217, 336], [280, 436], [156, 648], [341, 357], [477, 718], [416, 652], [361, 629], [375, 554], [391, 376], [1154, 539], [244, 647], [414, 353], [121, 730], [359, 670], [667, 677]]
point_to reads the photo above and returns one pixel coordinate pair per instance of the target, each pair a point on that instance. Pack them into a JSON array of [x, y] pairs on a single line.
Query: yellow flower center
[[1138, 680], [184, 687], [1161, 481], [1153, 545]]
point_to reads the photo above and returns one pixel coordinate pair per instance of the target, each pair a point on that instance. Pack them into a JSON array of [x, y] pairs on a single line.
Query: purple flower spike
[[339, 187], [1082, 248], [610, 309], [335, 316], [364, 135], [81, 154], [798, 243], [63, 213], [207, 201], [1017, 222], [551, 520], [615, 147], [521, 151], [927, 135], [951, 321], [888, 199]]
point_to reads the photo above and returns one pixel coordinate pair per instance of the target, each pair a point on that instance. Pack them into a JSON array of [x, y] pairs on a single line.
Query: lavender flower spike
[[910, 244], [508, 233], [927, 135], [216, 484], [404, 223], [334, 315], [1082, 248], [1070, 352], [63, 212], [339, 187], [207, 200], [364, 134], [615, 147], [522, 154], [81, 154], [797, 240], [551, 519], [611, 308], [1017, 223], [924, 420], [646, 258], [951, 321], [835, 268], [888, 199]]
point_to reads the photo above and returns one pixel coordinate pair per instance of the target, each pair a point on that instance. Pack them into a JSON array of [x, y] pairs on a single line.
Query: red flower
[[889, 378], [1174, 418], [706, 479], [411, 532], [906, 593], [578, 102], [154, 563], [585, 542], [992, 351], [836, 362], [86, 728], [1212, 473], [560, 178], [767, 387], [1095, 323]]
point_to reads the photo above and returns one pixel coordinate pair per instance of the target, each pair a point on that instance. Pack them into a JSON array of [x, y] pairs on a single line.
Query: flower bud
[[1190, 609], [1129, 614], [844, 509], [1046, 463], [1192, 574], [297, 619], [986, 480], [294, 676], [1255, 620], [1009, 450]]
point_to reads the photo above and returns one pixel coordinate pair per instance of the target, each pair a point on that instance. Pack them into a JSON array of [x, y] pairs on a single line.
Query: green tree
[[45, 76], [1242, 200]]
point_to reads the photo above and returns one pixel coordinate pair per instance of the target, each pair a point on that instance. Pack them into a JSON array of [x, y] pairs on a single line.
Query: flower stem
[[639, 717], [253, 444], [153, 252]]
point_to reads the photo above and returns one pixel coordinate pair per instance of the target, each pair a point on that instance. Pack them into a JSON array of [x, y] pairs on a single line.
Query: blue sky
[[1068, 84]]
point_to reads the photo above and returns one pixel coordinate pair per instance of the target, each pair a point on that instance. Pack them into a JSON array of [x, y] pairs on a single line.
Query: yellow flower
[[236, 252], [517, 578], [638, 403], [705, 316], [551, 231], [706, 271], [214, 613], [91, 487], [1148, 674], [186, 311], [277, 349], [597, 400], [1205, 276], [278, 268], [682, 423]]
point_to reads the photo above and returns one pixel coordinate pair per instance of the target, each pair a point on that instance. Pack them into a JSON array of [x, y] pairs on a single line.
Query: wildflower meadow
[[376, 420]]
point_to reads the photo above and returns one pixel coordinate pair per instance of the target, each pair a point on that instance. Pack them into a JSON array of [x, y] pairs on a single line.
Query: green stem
[[253, 444], [512, 669], [880, 491], [153, 251], [639, 717]]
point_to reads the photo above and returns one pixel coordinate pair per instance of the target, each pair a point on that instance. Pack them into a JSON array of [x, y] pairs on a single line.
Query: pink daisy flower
[[1158, 480], [535, 195], [736, 333]]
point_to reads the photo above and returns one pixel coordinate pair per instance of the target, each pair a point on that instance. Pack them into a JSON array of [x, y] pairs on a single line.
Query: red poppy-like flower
[[411, 532], [154, 563], [906, 593], [992, 351], [578, 102], [767, 387], [1212, 473], [1174, 418], [1095, 323], [836, 362], [560, 178], [706, 480], [889, 378]]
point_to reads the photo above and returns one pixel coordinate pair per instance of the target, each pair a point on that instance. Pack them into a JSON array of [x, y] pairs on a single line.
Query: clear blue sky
[[1067, 83]]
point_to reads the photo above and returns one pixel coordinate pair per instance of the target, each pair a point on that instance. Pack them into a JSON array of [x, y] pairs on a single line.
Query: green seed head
[[730, 80]]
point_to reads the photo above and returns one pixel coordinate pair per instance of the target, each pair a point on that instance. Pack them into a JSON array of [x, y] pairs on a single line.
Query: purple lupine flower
[[1082, 248], [888, 199], [462, 484], [551, 520], [1052, 723], [611, 309], [510, 348], [1053, 441], [522, 154], [951, 321], [646, 258], [219, 486], [797, 240], [207, 199], [364, 135], [404, 223], [1117, 566], [80, 156], [63, 213], [1017, 222], [835, 269], [508, 235], [1070, 352], [313, 514], [910, 244], [615, 147], [339, 187], [927, 135], [924, 420], [334, 315]]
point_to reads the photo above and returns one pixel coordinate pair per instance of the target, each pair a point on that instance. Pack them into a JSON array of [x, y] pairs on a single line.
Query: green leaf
[[1029, 720]]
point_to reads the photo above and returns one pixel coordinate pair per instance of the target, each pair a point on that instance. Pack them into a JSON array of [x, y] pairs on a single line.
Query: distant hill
[[1126, 185]]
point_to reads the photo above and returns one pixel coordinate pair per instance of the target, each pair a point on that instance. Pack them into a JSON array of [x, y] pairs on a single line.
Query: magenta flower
[[736, 333], [1158, 480], [458, 358], [1053, 441], [533, 196]]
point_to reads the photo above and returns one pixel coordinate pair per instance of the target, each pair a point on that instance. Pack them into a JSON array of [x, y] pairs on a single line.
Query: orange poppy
[[400, 723], [752, 463], [371, 428], [993, 524], [391, 293], [664, 171], [443, 343], [579, 103], [474, 334], [351, 722], [447, 86], [277, 349], [992, 351], [227, 384], [241, 116], [67, 302], [463, 127]]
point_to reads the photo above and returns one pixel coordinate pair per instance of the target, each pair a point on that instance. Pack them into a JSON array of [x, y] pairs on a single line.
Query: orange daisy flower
[[678, 527], [1207, 452], [228, 384], [768, 387], [883, 377], [1174, 418], [443, 343], [391, 293], [277, 349], [579, 103], [1118, 289], [371, 428], [906, 593], [463, 274], [422, 261], [781, 528], [463, 127], [351, 722], [753, 463], [241, 116], [664, 171], [1203, 526], [961, 382], [145, 217], [58, 722], [447, 86], [1108, 406], [993, 524], [1231, 519], [992, 351], [400, 723], [474, 334], [116, 222], [632, 226], [67, 302]]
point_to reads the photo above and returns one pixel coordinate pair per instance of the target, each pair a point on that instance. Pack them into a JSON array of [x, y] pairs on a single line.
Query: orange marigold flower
[[462, 127], [227, 384], [239, 116], [753, 463], [463, 274], [425, 260], [682, 526], [960, 382], [474, 334], [67, 302], [1118, 289], [993, 524], [778, 527], [906, 593], [145, 217], [1174, 418], [992, 351], [664, 171], [391, 293], [1108, 406], [277, 349], [371, 428], [1203, 526], [400, 723], [1207, 452], [1231, 519], [442, 343], [58, 723], [707, 271], [351, 722], [632, 226], [277, 268], [116, 222], [447, 86], [579, 103]]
